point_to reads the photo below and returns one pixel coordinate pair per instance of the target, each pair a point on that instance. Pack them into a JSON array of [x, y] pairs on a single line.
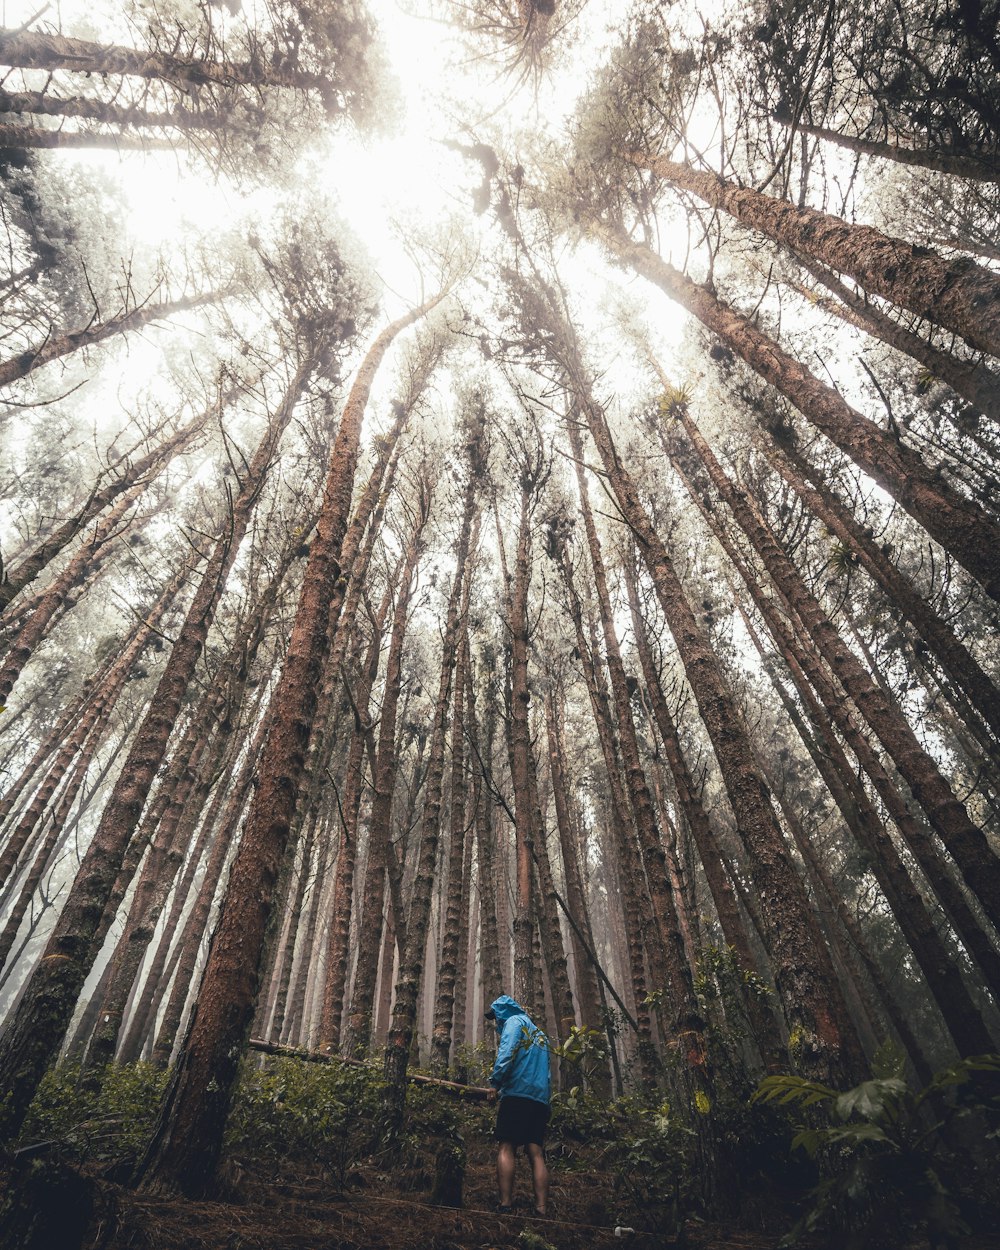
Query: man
[[521, 1078]]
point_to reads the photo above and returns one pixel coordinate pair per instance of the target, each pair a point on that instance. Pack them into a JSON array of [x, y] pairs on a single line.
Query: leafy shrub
[[649, 1163], [112, 1124], [289, 1109], [893, 1160]]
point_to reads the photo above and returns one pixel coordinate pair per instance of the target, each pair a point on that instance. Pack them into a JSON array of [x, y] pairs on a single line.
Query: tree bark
[[59, 345], [186, 1145], [959, 525], [956, 294], [359, 1024], [34, 1033], [825, 1042]]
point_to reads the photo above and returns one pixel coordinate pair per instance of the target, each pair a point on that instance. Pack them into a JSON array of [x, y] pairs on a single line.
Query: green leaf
[[784, 1088], [869, 1099]]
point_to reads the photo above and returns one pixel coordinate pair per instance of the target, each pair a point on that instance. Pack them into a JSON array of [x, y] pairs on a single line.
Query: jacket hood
[[504, 1007]]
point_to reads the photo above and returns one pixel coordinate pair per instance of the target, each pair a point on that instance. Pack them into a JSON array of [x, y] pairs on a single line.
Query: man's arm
[[509, 1038]]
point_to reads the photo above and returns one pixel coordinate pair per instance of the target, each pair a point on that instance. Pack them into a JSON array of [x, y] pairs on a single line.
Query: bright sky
[[388, 186]]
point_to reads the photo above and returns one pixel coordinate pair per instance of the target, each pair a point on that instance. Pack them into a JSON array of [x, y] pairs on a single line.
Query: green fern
[[887, 1153]]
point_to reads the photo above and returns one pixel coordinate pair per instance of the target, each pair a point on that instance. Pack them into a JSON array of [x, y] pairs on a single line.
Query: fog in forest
[[499, 497]]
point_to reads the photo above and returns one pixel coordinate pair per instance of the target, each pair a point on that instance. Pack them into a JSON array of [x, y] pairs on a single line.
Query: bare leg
[[539, 1176], [505, 1173]]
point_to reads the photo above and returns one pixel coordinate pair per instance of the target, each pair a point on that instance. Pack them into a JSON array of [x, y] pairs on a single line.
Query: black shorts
[[521, 1120]]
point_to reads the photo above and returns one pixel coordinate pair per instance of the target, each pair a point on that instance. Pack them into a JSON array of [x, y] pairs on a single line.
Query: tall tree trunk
[[58, 345], [37, 50], [803, 970], [520, 740], [937, 159], [957, 295], [957, 523], [186, 1145], [451, 948], [338, 948], [360, 1015], [411, 964], [33, 1034], [588, 988], [667, 955], [489, 937], [634, 897]]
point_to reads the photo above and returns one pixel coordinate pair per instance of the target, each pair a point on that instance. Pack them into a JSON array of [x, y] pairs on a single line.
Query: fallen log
[[416, 1078]]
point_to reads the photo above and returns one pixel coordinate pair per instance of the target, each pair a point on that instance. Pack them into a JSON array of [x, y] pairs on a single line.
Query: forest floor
[[377, 1211], [310, 1208], [307, 1167]]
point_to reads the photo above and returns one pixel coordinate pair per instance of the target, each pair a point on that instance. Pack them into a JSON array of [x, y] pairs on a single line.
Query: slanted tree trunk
[[804, 974], [142, 471], [946, 985], [44, 104], [958, 524], [633, 899], [196, 926], [667, 956], [167, 951], [58, 345], [765, 1028], [38, 50], [965, 842], [35, 1031], [83, 565], [957, 295], [76, 140], [213, 726], [954, 657], [971, 380], [939, 160], [89, 721]]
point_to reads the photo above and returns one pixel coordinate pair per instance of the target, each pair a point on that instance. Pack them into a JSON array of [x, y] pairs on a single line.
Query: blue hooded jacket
[[522, 1065]]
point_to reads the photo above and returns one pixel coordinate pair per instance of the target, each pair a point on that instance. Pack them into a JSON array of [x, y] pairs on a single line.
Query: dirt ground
[[373, 1210]]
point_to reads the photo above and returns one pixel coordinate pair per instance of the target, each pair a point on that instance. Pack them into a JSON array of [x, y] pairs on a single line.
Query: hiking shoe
[[502, 1209]]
